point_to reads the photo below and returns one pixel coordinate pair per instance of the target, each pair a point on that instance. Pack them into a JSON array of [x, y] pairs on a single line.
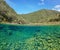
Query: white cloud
[[57, 8]]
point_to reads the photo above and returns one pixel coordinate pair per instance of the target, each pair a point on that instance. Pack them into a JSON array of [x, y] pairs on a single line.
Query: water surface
[[13, 37]]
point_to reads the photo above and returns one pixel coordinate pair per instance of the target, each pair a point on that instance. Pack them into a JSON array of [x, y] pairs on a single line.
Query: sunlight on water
[[29, 37]]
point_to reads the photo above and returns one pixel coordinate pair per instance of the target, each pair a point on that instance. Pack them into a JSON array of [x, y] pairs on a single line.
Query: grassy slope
[[7, 14], [41, 16], [7, 11]]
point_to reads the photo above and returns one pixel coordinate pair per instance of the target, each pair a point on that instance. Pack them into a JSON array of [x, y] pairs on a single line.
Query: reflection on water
[[29, 37]]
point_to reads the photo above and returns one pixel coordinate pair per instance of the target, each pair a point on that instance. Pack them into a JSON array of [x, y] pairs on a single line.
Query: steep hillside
[[7, 14], [42, 16]]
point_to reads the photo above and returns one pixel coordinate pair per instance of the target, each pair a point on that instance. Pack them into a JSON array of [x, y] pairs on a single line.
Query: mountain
[[6, 12], [8, 15], [42, 16]]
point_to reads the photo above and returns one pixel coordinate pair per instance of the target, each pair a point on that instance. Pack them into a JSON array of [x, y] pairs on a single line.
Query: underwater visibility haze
[[13, 37]]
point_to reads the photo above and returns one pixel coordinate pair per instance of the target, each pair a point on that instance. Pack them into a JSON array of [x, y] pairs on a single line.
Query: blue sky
[[28, 6]]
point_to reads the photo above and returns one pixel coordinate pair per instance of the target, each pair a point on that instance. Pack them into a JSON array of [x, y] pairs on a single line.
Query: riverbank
[[34, 24]]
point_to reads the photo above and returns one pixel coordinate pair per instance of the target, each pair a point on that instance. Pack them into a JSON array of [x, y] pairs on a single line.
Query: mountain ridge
[[8, 15], [41, 16]]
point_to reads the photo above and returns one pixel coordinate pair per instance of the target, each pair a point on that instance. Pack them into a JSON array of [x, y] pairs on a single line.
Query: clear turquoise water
[[13, 37]]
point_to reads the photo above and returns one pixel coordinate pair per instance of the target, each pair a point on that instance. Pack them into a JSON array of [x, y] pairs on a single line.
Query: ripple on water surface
[[29, 37]]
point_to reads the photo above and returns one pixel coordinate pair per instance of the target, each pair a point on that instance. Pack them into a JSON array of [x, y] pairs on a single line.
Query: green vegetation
[[6, 12], [8, 15], [42, 16]]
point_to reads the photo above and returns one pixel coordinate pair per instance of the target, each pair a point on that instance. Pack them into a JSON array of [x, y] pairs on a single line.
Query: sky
[[29, 6]]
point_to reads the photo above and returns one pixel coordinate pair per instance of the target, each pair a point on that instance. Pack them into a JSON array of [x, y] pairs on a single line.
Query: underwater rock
[[10, 33], [58, 35], [1, 27], [17, 49], [49, 40], [37, 44], [37, 30]]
